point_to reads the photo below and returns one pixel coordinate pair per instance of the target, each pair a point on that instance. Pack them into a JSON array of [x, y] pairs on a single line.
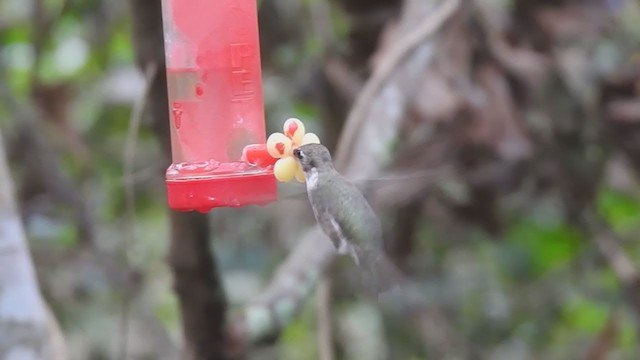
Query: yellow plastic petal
[[294, 129], [285, 169], [278, 145], [310, 138]]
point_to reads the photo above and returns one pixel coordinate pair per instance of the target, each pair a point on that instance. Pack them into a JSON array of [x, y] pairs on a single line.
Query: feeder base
[[205, 193]]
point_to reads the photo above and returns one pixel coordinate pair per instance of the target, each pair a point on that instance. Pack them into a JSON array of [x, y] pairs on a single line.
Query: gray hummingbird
[[345, 216]]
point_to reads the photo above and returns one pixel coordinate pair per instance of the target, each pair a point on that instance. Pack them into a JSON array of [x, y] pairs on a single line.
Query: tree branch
[[387, 64], [324, 320], [27, 327], [128, 161]]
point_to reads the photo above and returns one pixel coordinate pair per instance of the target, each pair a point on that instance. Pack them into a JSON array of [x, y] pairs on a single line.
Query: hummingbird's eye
[[298, 153]]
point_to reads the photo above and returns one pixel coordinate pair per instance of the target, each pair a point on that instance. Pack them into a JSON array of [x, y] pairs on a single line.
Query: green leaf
[[585, 315], [120, 47], [544, 246], [16, 34], [166, 311], [628, 338], [298, 340], [622, 211]]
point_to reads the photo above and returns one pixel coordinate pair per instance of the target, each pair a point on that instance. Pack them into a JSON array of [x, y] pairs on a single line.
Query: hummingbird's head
[[313, 156]]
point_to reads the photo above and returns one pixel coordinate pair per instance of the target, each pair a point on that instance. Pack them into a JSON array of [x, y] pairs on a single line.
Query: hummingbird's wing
[[346, 217], [349, 221], [295, 192], [333, 228]]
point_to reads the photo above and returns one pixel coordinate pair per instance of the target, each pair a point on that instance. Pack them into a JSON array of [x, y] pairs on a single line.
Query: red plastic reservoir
[[215, 104]]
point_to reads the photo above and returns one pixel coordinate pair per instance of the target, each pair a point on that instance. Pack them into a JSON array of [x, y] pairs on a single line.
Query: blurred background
[[499, 142]]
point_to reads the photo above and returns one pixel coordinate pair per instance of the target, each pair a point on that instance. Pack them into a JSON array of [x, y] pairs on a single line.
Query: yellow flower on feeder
[[281, 146]]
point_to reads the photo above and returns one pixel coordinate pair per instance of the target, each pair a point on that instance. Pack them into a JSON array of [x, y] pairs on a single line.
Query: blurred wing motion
[[371, 185]]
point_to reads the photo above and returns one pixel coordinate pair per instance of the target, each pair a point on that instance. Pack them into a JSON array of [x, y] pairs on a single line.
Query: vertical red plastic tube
[[215, 104]]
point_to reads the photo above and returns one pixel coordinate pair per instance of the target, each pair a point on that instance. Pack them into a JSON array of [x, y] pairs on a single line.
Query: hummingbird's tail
[[391, 289], [380, 275]]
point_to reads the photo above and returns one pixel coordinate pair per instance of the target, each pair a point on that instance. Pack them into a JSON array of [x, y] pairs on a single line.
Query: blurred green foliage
[[621, 209], [540, 286]]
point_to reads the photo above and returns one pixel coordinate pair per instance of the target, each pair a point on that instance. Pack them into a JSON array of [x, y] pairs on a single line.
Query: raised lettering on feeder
[[241, 79]]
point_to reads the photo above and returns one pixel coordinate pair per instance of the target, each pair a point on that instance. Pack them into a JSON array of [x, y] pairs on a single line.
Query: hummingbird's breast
[[311, 179]]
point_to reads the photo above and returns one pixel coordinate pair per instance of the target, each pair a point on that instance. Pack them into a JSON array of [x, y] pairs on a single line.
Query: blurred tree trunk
[[28, 330], [196, 279]]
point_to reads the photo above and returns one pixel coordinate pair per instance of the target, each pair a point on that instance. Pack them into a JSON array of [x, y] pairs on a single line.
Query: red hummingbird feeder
[[216, 106]]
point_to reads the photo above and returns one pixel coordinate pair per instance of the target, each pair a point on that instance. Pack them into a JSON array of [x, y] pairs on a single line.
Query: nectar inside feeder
[[215, 105]]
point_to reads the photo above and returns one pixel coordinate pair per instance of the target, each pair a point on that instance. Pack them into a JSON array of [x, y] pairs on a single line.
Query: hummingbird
[[345, 216]]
